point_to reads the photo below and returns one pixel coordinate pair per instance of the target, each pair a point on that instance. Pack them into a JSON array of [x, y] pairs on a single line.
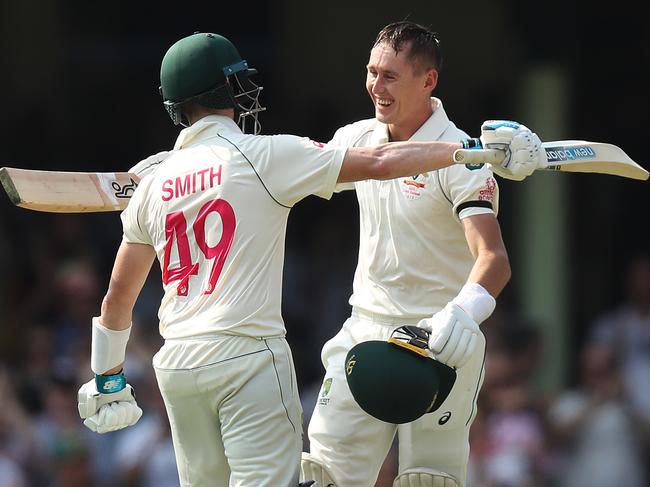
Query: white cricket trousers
[[234, 411], [352, 444]]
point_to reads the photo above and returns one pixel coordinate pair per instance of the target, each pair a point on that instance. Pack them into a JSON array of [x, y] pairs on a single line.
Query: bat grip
[[478, 156]]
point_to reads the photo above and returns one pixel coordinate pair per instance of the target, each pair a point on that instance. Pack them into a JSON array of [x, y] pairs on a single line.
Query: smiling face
[[400, 90]]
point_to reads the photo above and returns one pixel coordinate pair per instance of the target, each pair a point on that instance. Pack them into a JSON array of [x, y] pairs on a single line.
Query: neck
[[201, 112], [400, 132]]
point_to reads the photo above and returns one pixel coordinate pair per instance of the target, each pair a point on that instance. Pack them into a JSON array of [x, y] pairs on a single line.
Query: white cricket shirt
[[413, 256], [216, 213]]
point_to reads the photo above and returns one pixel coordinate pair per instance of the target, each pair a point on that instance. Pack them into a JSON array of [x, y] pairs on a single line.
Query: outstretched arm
[[396, 159], [522, 151]]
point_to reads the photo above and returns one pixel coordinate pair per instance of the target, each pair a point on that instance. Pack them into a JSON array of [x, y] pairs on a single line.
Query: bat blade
[[68, 192], [569, 156]]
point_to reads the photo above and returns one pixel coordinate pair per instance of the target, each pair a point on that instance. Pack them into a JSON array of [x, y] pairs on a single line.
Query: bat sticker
[[124, 191], [559, 154]]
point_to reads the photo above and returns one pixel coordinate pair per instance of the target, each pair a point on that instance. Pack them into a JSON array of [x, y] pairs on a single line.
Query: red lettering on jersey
[[320, 145], [168, 192], [191, 183], [215, 174], [487, 194], [202, 174], [182, 186]]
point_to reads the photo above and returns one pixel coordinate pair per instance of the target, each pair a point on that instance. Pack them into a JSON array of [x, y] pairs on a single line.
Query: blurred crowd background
[[566, 400]]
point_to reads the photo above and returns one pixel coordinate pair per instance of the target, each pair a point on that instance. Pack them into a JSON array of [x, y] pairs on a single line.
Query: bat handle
[[478, 156]]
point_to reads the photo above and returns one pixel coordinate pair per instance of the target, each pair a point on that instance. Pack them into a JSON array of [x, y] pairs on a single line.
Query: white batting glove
[[523, 149], [453, 337], [151, 163], [109, 411]]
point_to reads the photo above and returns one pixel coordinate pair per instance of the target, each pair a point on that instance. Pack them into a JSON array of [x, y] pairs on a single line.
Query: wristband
[[475, 301], [473, 143], [108, 347], [108, 384]]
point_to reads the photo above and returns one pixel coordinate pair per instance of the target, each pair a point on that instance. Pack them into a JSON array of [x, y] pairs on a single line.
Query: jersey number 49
[[176, 232]]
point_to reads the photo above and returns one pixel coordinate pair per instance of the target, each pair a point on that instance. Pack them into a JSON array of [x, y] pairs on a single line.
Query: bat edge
[[9, 186], [60, 208]]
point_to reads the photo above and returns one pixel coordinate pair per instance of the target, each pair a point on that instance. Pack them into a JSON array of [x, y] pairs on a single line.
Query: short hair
[[423, 44]]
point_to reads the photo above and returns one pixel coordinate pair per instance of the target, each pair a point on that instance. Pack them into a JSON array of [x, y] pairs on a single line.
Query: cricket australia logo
[[124, 191], [324, 400], [412, 187]]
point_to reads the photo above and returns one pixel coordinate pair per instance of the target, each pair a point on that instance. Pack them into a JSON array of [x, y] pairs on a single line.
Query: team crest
[[474, 167], [413, 186], [323, 400]]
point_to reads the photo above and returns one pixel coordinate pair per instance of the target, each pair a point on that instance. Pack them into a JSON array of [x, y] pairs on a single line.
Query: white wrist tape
[[108, 347], [475, 301]]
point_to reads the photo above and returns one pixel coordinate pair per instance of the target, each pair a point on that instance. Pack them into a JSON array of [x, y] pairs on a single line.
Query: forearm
[[410, 158], [116, 310], [491, 270], [112, 328], [116, 316], [390, 161]]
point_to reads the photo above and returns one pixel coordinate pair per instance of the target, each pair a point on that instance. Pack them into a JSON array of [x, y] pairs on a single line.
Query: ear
[[431, 79]]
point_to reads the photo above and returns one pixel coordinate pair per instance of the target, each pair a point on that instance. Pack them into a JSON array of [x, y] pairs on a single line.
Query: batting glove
[[112, 409], [523, 149], [453, 335]]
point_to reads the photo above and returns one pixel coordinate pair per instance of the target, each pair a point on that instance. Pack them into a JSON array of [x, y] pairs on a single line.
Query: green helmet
[[207, 69], [395, 381]]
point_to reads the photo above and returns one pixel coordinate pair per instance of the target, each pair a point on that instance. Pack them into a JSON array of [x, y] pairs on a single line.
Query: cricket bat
[[68, 192], [86, 192], [568, 156]]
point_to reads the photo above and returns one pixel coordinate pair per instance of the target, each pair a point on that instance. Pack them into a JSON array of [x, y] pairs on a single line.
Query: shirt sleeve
[[342, 139], [294, 167], [471, 191], [133, 227]]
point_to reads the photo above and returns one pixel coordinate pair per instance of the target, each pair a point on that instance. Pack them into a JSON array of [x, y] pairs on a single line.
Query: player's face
[[399, 92]]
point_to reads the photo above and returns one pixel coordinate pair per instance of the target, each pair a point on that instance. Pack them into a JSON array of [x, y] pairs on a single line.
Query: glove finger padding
[[498, 134], [450, 346], [440, 327], [90, 400], [462, 340], [463, 349], [114, 416], [524, 156]]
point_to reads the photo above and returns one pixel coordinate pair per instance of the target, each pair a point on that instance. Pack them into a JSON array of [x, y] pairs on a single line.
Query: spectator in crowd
[[627, 329], [17, 440], [593, 429], [508, 438]]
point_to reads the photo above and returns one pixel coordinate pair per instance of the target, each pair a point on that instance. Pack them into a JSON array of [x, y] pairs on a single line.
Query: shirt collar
[[435, 125], [203, 128], [431, 129]]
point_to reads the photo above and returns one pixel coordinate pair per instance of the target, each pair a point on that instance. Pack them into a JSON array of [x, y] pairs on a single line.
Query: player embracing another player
[[431, 255], [214, 213]]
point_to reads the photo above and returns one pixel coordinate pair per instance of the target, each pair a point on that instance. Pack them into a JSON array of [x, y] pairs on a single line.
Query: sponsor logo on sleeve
[[324, 399], [487, 193]]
